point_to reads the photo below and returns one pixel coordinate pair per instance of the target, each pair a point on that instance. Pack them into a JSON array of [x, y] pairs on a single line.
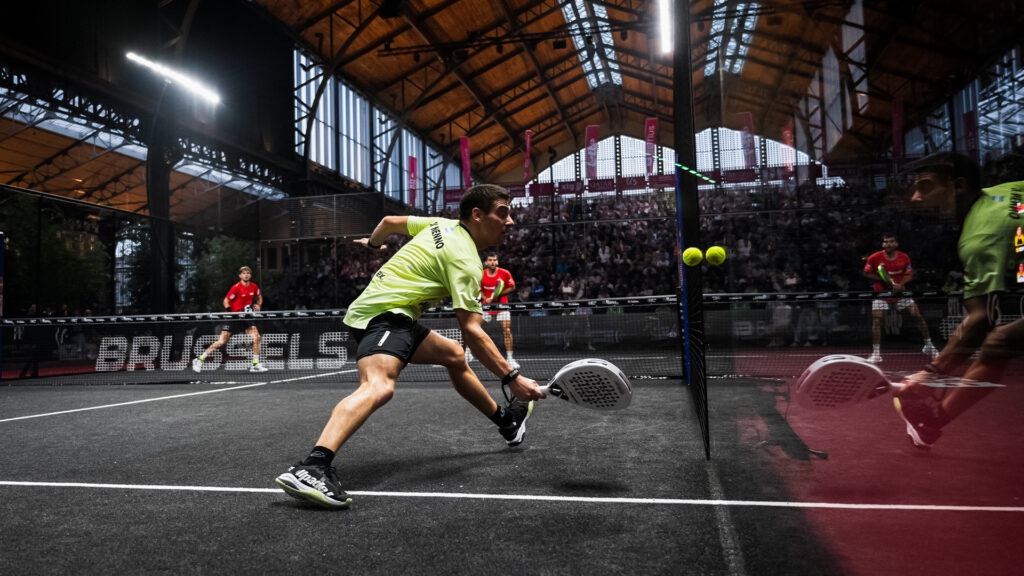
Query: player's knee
[[456, 357], [381, 391]]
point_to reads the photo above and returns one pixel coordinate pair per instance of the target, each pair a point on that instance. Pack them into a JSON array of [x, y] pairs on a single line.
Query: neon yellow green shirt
[[986, 242], [440, 260]]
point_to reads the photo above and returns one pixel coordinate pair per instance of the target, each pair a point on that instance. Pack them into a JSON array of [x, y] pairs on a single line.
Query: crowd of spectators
[[779, 239]]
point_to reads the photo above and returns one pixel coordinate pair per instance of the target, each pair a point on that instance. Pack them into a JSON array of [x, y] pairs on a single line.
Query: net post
[[691, 290]]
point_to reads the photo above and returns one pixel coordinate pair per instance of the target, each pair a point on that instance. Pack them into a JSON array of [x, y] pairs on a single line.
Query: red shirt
[[898, 268], [489, 283], [241, 296]]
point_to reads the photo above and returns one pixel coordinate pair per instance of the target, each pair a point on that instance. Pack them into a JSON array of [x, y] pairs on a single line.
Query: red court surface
[[957, 508]]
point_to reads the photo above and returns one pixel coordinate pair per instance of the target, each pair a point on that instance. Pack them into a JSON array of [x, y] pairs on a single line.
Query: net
[[639, 335]]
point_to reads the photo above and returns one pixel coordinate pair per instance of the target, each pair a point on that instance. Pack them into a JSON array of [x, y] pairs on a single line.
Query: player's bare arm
[[386, 227], [487, 353]]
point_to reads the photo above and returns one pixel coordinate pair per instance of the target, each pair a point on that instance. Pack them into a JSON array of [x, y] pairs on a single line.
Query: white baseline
[[173, 397], [537, 497]]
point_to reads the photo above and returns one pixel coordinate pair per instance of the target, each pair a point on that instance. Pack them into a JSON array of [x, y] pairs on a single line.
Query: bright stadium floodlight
[[176, 77], [665, 24]]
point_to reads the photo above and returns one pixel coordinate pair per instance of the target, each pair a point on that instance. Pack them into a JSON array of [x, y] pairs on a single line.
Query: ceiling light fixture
[[190, 84], [665, 24]]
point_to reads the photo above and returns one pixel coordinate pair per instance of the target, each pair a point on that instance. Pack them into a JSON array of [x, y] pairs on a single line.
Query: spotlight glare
[[665, 25], [176, 77]]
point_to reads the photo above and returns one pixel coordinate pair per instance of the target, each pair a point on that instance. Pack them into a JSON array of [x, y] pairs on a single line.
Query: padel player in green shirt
[[949, 183], [441, 260]]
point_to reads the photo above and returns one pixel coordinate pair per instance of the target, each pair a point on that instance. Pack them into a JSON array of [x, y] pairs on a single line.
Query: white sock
[[876, 349], [927, 341], [255, 358]]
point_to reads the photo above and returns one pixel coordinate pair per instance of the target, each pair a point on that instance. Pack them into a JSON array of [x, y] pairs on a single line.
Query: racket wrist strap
[[510, 377]]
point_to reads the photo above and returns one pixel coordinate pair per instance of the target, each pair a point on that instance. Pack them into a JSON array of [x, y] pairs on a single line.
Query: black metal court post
[[691, 290]]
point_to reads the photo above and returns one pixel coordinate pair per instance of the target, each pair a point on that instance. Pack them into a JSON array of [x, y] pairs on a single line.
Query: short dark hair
[[950, 165], [482, 196], [890, 235], [490, 253]]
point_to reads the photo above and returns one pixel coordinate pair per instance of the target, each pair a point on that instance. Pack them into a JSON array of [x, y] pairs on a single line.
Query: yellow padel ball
[[715, 255], [692, 256]]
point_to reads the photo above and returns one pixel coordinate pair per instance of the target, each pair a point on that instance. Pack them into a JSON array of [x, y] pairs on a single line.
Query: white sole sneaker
[[293, 487]]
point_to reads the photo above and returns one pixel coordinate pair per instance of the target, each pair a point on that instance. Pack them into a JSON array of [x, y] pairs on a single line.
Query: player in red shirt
[[897, 266], [492, 275], [242, 297]]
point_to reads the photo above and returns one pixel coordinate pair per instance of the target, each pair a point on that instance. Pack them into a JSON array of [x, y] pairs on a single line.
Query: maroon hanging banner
[[542, 189], [516, 190], [601, 185], [788, 152], [630, 183], [663, 180], [651, 139], [745, 121], [570, 187], [467, 180], [412, 180], [526, 162], [593, 133]]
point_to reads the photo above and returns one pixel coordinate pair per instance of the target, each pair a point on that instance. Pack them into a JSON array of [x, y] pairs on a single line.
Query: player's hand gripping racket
[[591, 383], [497, 290], [839, 381], [884, 275]]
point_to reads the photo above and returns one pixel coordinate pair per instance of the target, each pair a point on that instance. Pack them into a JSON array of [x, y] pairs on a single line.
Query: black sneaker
[[919, 409], [516, 431], [316, 484]]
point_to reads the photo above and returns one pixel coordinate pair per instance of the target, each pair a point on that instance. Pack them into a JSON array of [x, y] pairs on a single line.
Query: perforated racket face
[[838, 381], [593, 383]]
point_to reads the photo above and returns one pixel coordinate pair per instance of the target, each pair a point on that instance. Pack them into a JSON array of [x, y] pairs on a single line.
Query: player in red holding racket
[[890, 269], [495, 285], [244, 296]]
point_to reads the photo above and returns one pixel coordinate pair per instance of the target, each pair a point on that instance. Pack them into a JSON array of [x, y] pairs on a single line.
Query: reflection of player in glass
[[442, 260], [890, 270], [242, 297], [498, 280], [950, 184]]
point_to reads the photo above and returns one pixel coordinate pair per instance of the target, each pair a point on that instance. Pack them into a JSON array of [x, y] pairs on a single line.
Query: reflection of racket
[[591, 383], [839, 381], [498, 289], [884, 275]]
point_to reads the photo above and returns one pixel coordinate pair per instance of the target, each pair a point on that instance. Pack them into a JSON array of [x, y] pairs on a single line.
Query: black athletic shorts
[[392, 334], [237, 326]]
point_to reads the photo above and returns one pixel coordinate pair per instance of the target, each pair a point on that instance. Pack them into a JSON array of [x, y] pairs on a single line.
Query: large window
[[354, 135], [308, 78]]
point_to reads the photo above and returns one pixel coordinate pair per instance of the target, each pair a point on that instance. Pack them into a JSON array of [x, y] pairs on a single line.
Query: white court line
[[175, 396], [539, 498]]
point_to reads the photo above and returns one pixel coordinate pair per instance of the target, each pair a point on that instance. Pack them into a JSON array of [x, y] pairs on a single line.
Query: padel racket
[[839, 381], [591, 383], [884, 275], [498, 289]]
